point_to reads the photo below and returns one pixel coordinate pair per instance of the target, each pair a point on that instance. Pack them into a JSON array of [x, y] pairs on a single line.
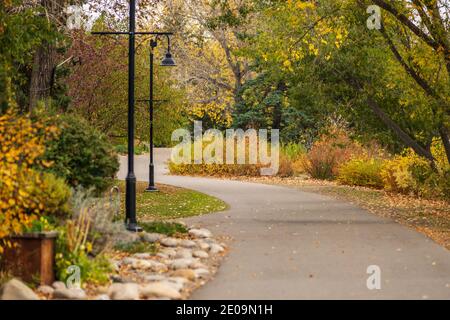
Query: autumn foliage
[[25, 192]]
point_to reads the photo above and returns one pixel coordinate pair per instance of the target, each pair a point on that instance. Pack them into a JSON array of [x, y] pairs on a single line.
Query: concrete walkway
[[289, 244]]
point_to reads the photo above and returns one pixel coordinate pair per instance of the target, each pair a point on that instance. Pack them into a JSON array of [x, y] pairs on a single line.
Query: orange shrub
[[328, 153]]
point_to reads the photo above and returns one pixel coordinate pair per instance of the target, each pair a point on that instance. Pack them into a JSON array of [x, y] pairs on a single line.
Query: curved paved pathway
[[289, 244]]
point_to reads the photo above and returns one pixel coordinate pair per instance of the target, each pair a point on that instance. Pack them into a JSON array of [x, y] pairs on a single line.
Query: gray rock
[[183, 254], [202, 273], [200, 254], [169, 242], [58, 285], [200, 233], [187, 243], [129, 261], [45, 290], [181, 263], [142, 255], [170, 252], [151, 237], [102, 297], [69, 294], [124, 291], [154, 277], [160, 290], [16, 290], [126, 237], [162, 255], [215, 248]]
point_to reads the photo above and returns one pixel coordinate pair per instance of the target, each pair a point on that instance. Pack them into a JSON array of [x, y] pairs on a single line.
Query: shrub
[[328, 153], [293, 151], [81, 155], [50, 191], [285, 167], [21, 202], [361, 172], [411, 174], [291, 159], [217, 169]]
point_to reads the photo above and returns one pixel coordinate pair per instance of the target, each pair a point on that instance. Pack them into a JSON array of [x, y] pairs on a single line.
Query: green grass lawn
[[171, 202]]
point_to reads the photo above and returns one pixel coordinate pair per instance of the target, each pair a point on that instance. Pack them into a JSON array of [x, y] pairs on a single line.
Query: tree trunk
[[402, 135], [446, 141], [42, 74], [44, 60]]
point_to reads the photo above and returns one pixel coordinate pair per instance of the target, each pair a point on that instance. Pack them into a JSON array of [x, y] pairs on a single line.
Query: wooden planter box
[[32, 258]]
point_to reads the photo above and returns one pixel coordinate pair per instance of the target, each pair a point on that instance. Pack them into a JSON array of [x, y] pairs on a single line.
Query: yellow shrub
[[411, 174], [365, 172], [217, 169], [21, 144]]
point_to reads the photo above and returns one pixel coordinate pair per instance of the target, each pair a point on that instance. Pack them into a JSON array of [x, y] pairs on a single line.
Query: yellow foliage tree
[[22, 143]]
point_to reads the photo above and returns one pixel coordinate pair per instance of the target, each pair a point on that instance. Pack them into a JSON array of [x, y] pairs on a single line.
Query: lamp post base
[[133, 227], [151, 189]]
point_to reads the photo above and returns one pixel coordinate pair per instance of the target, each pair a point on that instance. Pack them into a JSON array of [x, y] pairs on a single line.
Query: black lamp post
[[166, 62], [130, 198]]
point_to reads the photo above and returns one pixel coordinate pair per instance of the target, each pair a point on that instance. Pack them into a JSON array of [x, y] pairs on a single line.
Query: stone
[[102, 297], [187, 243], [169, 242], [200, 254], [151, 237], [124, 291], [174, 284], [215, 248], [142, 264], [148, 265], [181, 263], [200, 233], [160, 290], [45, 290], [209, 241], [129, 261], [125, 237], [142, 255], [179, 280], [154, 277], [58, 285], [202, 273], [16, 290], [203, 245], [170, 252], [185, 273], [69, 294], [162, 255], [198, 265], [183, 254]]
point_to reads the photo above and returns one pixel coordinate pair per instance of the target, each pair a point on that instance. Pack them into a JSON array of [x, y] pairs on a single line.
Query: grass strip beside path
[[171, 202]]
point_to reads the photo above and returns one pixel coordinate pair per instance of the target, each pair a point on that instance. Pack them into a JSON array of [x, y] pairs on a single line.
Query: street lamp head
[[168, 60]]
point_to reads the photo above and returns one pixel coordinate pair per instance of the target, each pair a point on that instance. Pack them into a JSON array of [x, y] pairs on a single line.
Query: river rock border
[[178, 267]]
